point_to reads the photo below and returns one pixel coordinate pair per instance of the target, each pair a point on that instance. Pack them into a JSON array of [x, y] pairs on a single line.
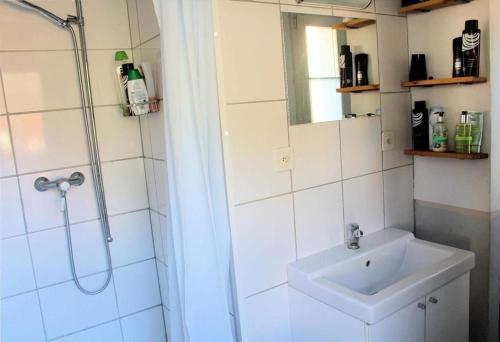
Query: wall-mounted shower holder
[[44, 184]]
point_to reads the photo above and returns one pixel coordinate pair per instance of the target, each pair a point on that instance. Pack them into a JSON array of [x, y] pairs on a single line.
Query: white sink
[[390, 270]]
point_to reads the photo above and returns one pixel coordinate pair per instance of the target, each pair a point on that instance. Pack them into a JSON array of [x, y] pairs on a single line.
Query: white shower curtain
[[198, 241]]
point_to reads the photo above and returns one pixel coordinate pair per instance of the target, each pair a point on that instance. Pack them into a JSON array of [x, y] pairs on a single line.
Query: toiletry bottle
[[361, 61], [123, 66], [420, 123], [440, 135], [471, 39], [463, 134], [147, 71], [457, 58], [345, 63], [137, 92], [476, 119], [433, 119]]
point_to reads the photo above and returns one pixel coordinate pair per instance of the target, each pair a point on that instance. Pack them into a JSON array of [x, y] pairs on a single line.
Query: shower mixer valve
[[63, 184]]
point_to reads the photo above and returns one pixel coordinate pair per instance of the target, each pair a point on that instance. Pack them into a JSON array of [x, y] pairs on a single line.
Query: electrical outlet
[[388, 141], [283, 159]]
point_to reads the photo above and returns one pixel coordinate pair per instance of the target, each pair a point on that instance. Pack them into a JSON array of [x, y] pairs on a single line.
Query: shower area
[[82, 207]]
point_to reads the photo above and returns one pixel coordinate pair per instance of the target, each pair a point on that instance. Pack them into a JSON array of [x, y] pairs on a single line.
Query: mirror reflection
[[331, 67]]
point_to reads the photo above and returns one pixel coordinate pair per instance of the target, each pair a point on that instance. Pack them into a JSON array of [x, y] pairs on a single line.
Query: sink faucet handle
[[358, 233]]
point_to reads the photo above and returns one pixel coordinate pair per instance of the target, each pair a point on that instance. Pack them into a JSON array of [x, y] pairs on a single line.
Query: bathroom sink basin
[[390, 270]]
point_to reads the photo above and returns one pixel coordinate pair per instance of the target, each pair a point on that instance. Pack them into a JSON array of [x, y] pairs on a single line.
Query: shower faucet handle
[[63, 184]]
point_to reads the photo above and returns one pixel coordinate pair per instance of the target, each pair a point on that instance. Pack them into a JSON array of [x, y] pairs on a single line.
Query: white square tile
[[7, 166], [51, 75], [364, 202], [316, 151], [263, 243], [19, 313], [132, 238], [32, 31], [134, 295], [146, 135], [65, 303], [133, 22], [106, 24], [158, 237], [125, 186], [119, 137], [102, 65], [252, 134], [266, 317], [11, 212], [361, 146], [157, 132], [163, 281], [50, 252], [50, 140], [390, 7], [3, 109], [151, 183], [17, 272], [148, 24], [396, 118], [144, 326], [252, 59], [42, 209], [319, 218], [398, 198], [160, 170], [109, 332], [392, 39]]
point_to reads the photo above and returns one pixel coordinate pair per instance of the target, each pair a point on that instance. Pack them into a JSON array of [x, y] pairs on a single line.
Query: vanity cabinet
[[440, 316]]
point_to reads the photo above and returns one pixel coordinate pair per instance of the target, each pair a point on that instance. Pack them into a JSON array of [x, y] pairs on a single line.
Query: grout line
[[251, 102], [41, 111], [64, 50], [268, 289]]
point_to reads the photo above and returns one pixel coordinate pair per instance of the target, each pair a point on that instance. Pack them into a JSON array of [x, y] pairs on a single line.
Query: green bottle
[[463, 134]]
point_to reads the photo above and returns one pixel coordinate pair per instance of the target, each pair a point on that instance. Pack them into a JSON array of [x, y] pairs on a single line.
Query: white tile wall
[[157, 133], [11, 213], [151, 183], [312, 164], [158, 224], [361, 137], [398, 198], [161, 185], [148, 25], [132, 238], [3, 110], [163, 281], [134, 295], [125, 186], [253, 59], [118, 137], [319, 218], [17, 272], [7, 166], [133, 22], [65, 309], [144, 326], [364, 202], [266, 316], [49, 140], [254, 131], [109, 332], [263, 243], [19, 313]]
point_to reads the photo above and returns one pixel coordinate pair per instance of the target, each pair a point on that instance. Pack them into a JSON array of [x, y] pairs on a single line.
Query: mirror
[[313, 49]]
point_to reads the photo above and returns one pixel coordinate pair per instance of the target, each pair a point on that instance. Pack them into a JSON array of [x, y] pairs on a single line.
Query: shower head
[[49, 15]]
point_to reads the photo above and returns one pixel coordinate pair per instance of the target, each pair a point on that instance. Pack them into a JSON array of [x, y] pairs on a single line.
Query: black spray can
[[458, 69], [471, 39], [345, 63], [361, 61], [420, 126]]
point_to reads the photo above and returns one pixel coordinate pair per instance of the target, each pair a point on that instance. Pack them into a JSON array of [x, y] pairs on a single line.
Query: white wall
[[42, 134], [340, 174]]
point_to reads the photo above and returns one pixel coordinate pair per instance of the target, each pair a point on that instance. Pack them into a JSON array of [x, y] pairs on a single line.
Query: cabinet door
[[447, 318], [407, 324]]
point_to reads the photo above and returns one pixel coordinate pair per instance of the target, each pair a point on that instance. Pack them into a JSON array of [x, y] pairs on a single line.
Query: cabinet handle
[[421, 306], [433, 300]]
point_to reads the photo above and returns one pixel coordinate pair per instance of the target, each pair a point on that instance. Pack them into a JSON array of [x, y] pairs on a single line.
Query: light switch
[[283, 159], [387, 141]]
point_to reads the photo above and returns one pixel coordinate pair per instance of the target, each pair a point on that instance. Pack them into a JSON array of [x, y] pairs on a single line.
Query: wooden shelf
[[429, 5], [444, 81], [355, 23], [449, 155], [358, 89]]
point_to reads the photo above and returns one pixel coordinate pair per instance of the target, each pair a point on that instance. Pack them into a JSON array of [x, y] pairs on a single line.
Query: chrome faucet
[[354, 235]]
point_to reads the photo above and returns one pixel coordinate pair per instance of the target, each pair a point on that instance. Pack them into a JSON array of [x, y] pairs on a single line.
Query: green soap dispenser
[[463, 134], [440, 135]]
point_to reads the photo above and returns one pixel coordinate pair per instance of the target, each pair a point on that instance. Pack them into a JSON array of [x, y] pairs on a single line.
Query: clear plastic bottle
[[463, 134], [440, 135]]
